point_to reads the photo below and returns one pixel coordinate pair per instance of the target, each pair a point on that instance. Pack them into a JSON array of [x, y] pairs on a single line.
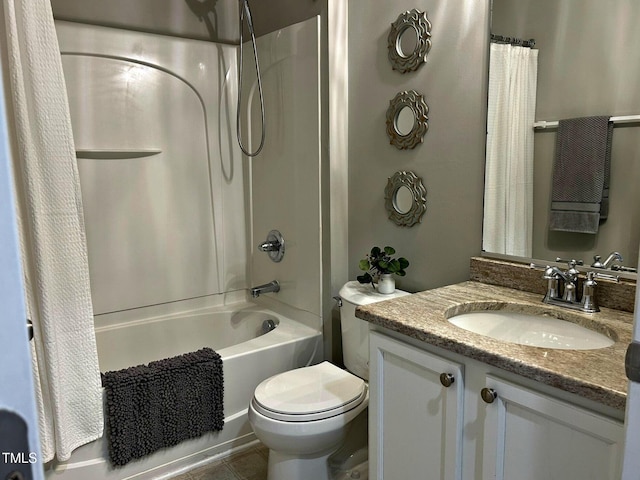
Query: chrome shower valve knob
[[273, 246]]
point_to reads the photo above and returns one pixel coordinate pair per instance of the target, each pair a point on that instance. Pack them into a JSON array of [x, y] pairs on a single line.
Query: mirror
[[407, 120], [582, 74], [405, 198], [409, 41]]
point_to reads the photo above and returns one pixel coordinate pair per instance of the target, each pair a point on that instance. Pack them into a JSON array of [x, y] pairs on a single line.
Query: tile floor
[[250, 464]]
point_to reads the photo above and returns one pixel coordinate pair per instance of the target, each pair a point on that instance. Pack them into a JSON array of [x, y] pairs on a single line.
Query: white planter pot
[[386, 283]]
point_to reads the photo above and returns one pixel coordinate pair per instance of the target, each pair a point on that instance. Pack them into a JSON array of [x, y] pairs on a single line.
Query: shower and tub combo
[[171, 207]]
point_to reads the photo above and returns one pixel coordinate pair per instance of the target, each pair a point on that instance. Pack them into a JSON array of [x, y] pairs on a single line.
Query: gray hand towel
[[580, 194]]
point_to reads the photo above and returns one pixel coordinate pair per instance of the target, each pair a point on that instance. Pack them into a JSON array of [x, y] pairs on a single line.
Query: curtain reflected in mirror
[[508, 198]]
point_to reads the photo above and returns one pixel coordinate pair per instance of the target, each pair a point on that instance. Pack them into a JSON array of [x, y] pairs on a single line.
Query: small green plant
[[379, 262]]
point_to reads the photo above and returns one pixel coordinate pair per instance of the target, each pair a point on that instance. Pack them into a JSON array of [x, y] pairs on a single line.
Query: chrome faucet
[[569, 279], [272, 286], [607, 263]]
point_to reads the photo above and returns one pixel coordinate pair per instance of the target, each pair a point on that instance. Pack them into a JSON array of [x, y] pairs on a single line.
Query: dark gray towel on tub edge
[[149, 407]]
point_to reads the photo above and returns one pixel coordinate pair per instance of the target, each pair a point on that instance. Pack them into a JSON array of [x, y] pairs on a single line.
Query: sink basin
[[532, 330]]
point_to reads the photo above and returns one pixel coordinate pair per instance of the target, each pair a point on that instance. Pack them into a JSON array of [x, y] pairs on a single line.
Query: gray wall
[[215, 20], [588, 65], [451, 159]]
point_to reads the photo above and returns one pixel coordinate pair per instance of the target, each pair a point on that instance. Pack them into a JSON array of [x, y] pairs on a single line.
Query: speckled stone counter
[[594, 374]]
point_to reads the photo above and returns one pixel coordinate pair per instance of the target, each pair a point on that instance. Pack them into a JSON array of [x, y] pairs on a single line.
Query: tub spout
[[273, 286]]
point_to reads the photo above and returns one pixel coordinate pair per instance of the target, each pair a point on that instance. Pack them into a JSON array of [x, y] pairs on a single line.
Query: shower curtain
[[52, 236], [508, 197]]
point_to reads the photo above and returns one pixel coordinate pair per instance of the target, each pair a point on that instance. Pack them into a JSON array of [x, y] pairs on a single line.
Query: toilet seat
[[310, 393]]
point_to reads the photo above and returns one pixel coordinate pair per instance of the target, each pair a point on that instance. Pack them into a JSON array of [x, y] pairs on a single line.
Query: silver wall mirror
[[409, 41], [407, 120], [405, 198]]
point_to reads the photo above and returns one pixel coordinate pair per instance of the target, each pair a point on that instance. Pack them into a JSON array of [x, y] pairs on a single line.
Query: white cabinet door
[[530, 436], [415, 422]]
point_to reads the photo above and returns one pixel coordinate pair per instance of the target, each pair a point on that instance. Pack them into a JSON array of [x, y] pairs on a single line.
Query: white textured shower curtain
[[52, 234], [508, 193]]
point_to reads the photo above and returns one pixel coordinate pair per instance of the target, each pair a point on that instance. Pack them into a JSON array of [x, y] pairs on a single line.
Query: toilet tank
[[355, 332]]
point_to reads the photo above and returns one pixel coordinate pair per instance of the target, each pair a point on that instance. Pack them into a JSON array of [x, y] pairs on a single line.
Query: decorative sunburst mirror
[[405, 198], [409, 41], [407, 120]]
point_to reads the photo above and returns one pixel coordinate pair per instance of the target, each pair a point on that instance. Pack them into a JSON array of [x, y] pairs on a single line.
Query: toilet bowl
[[304, 415]]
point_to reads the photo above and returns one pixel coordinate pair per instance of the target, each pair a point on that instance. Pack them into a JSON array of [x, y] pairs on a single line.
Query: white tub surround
[[51, 228], [162, 178], [285, 178]]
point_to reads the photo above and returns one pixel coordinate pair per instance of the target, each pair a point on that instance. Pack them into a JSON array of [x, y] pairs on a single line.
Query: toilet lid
[[309, 393]]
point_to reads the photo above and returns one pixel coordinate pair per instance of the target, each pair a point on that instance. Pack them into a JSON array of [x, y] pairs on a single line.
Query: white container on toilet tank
[[355, 332]]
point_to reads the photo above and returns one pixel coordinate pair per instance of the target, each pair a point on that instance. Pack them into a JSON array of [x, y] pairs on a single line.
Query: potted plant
[[380, 265]]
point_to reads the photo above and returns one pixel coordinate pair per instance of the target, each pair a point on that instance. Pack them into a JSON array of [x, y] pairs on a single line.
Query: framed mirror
[[405, 198], [407, 120], [409, 41]]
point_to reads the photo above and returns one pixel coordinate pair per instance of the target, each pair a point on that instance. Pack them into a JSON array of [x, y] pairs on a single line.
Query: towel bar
[[542, 124]]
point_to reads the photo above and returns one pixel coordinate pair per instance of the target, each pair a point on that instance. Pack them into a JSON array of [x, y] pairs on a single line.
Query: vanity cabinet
[[531, 436], [415, 422], [484, 425]]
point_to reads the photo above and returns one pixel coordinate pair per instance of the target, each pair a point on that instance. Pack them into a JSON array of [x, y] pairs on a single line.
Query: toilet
[[303, 415]]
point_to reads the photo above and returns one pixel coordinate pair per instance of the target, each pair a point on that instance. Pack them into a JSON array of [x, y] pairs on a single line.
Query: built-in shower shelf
[[542, 124], [116, 154]]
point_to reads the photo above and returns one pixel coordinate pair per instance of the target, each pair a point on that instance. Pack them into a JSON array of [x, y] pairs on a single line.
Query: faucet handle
[[622, 268], [588, 302], [571, 263], [538, 266], [596, 262], [273, 246], [572, 266], [549, 274]]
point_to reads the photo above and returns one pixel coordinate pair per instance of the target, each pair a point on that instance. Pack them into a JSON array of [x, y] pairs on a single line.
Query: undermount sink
[[532, 330]]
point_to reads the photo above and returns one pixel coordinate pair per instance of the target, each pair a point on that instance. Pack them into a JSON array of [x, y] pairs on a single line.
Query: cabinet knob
[[488, 394], [446, 379]]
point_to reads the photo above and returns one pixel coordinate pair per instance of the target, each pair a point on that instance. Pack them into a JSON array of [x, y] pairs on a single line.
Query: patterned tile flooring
[[250, 464]]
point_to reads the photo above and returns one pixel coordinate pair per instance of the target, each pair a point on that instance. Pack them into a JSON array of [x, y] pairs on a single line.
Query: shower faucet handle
[[273, 246], [269, 246]]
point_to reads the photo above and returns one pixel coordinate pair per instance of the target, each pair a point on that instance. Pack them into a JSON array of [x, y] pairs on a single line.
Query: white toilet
[[303, 415]]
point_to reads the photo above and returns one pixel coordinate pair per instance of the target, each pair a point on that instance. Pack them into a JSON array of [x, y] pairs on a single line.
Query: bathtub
[[249, 356]]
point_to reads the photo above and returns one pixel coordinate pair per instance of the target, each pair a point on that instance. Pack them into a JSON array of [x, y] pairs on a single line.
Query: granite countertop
[[594, 374]]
